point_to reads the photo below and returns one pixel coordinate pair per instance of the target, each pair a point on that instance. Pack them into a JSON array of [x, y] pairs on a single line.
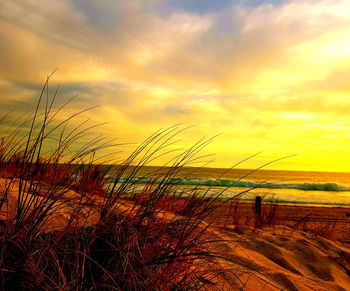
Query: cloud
[[56, 22], [11, 93], [251, 69], [205, 6]]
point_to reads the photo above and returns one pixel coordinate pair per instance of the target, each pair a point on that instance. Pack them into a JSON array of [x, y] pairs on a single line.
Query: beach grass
[[66, 226], [70, 219]]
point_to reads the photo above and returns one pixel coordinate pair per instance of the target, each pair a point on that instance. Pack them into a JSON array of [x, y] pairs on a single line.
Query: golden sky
[[271, 76]]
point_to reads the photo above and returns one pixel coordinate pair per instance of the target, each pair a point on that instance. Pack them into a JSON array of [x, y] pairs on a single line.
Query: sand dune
[[283, 259], [277, 258]]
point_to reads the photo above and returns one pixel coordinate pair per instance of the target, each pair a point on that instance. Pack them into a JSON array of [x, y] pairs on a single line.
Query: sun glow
[[271, 77]]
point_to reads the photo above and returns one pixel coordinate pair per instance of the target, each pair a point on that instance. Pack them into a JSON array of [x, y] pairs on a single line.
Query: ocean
[[288, 187]]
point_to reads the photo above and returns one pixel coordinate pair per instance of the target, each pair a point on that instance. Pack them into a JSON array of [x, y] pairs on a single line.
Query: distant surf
[[334, 187]]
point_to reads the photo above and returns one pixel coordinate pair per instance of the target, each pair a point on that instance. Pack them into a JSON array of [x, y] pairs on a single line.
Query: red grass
[[123, 248]]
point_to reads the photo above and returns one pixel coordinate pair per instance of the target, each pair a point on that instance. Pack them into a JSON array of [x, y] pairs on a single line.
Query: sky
[[268, 76]]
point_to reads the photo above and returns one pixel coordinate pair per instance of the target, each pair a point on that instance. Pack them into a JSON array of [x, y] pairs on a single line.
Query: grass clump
[[67, 222]]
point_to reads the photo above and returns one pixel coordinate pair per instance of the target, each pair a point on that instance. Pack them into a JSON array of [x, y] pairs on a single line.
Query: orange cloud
[[270, 77]]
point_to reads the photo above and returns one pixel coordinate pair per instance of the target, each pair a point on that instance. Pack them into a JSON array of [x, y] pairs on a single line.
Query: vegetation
[[67, 223]]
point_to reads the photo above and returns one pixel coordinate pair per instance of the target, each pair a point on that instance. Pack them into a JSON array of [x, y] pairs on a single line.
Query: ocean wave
[[245, 184]]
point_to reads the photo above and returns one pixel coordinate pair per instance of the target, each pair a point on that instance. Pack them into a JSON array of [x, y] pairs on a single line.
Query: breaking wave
[[246, 184]]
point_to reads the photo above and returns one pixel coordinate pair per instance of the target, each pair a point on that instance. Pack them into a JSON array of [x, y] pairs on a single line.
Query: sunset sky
[[271, 76]]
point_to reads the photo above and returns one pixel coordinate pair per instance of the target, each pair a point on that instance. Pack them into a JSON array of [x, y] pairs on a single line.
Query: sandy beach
[[297, 248], [329, 222], [294, 250]]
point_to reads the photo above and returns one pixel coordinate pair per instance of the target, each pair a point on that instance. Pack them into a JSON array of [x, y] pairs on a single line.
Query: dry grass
[[117, 234], [70, 222]]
